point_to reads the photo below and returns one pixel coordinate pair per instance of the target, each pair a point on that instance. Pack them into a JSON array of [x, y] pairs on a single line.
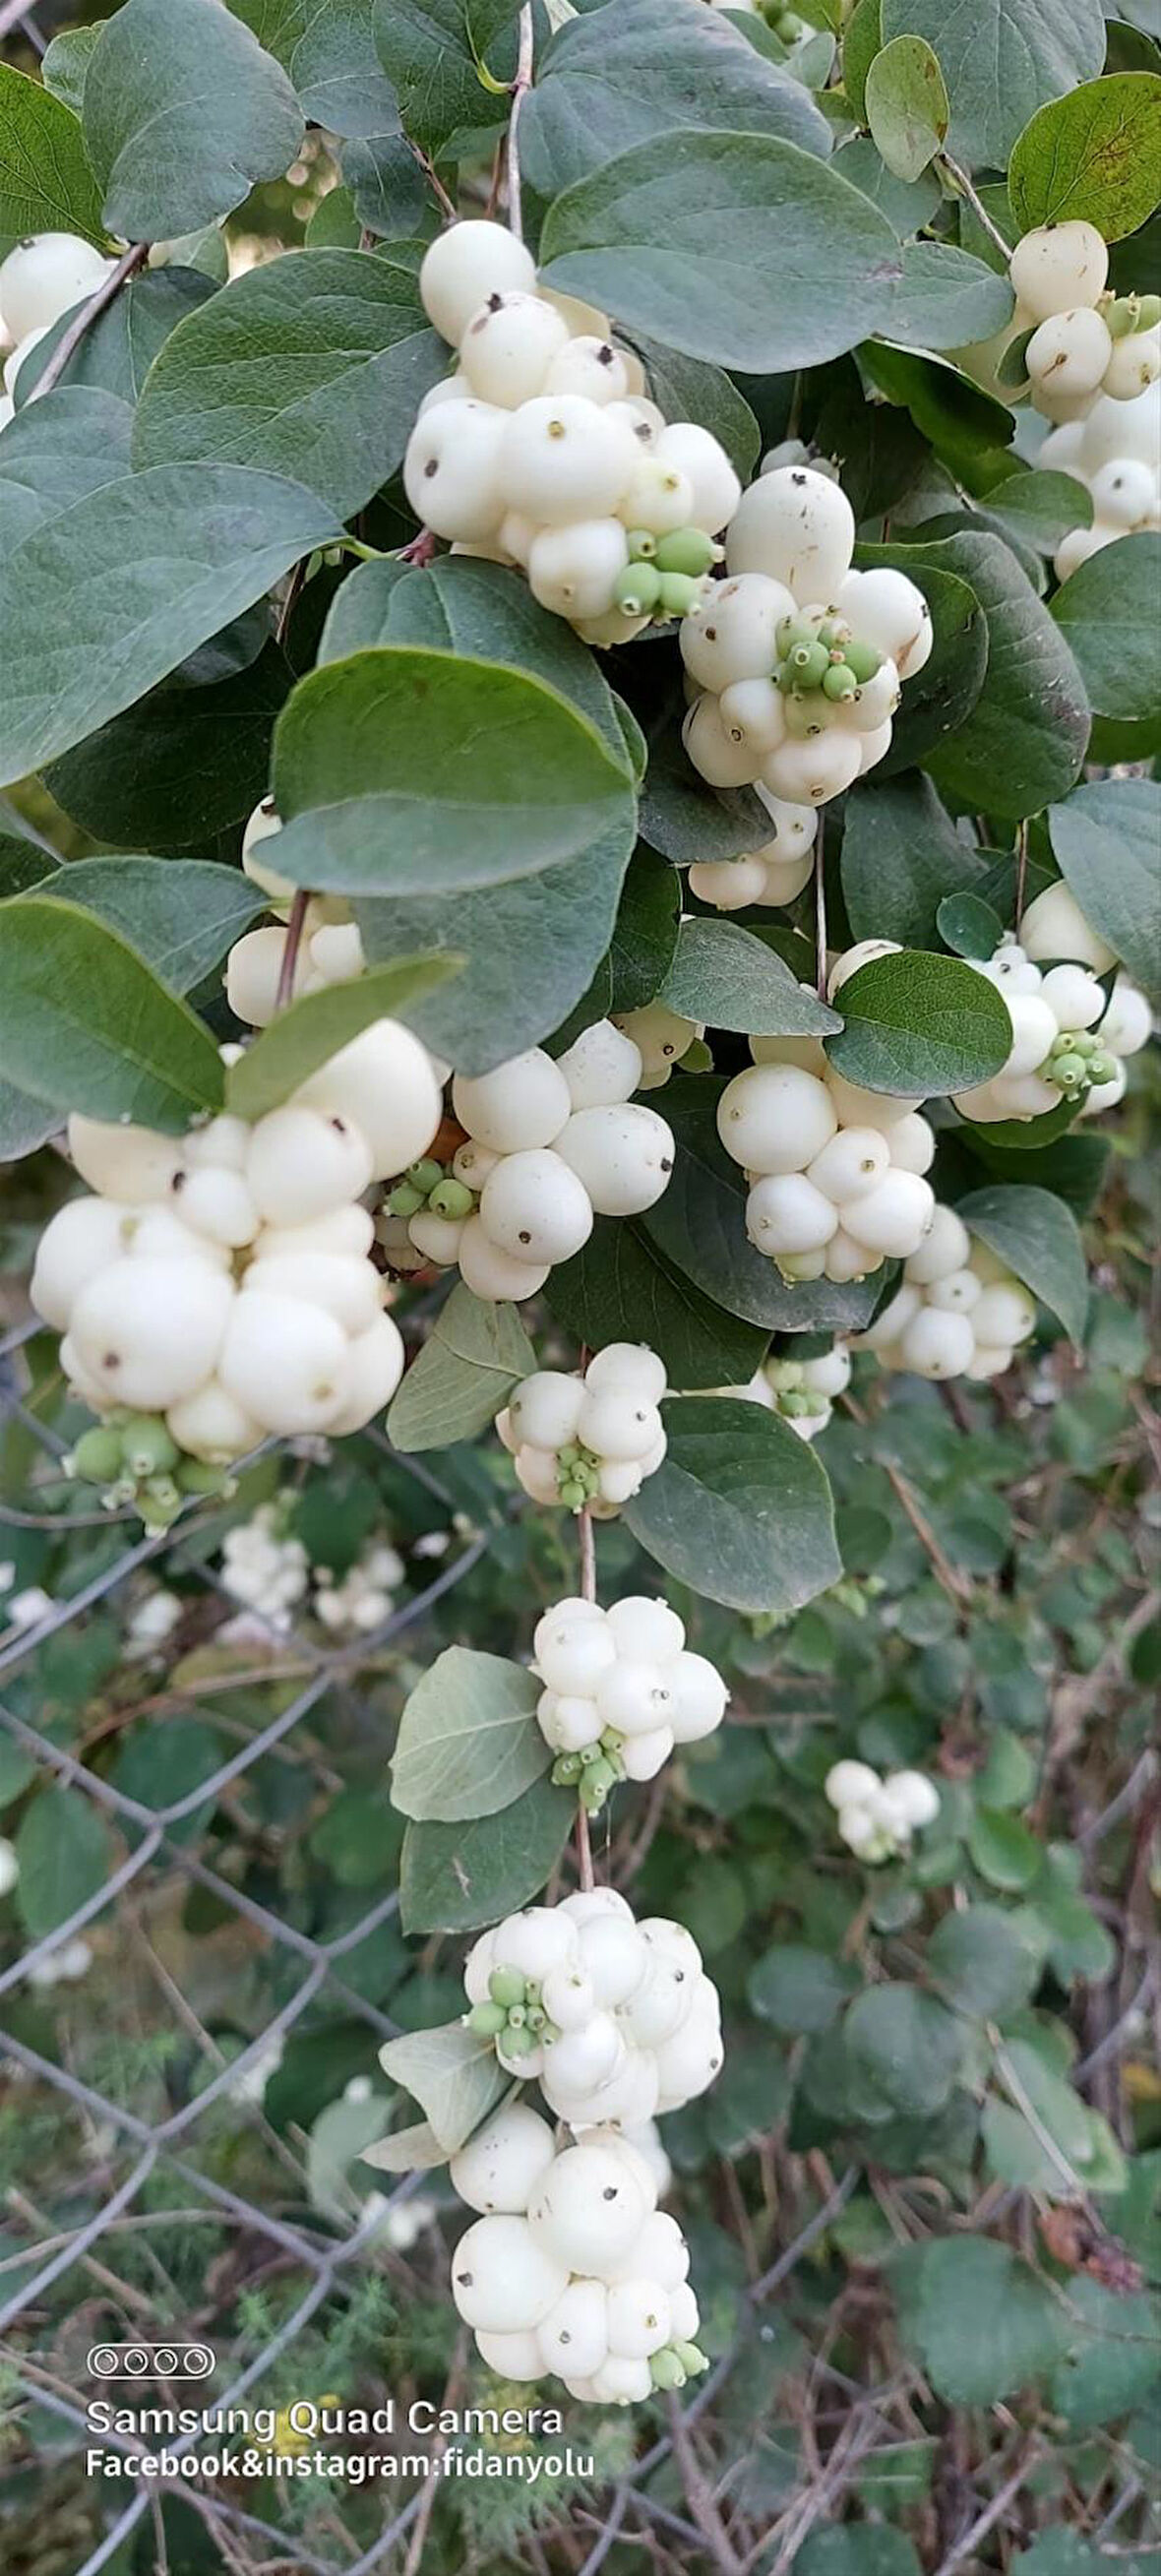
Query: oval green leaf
[[1038, 1237], [915, 1022], [1092, 156], [165, 164], [739, 1508], [86, 1025]]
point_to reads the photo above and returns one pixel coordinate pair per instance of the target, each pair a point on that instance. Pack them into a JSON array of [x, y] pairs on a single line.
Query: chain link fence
[[154, 1846]]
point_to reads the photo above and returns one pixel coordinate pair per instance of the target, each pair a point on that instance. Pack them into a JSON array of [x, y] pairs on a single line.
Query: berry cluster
[[1116, 454], [835, 1172], [1068, 1037], [588, 1442], [40, 281], [773, 873], [544, 450], [796, 661], [221, 1280], [615, 2019], [620, 1690], [801, 1391], [268, 1569], [877, 1817], [572, 2268], [1084, 341], [958, 1312], [546, 1148]]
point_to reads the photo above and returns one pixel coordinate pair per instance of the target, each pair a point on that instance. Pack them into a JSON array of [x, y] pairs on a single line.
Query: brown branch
[[289, 967], [520, 88], [82, 322], [700, 2496], [963, 186]]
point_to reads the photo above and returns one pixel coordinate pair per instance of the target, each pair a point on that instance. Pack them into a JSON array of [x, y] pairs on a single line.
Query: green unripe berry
[[405, 1200], [487, 2020], [1120, 317], [810, 664], [518, 2043], [1102, 1068], [573, 1494], [532, 1990], [839, 682], [1148, 312], [517, 2016], [693, 2358], [453, 1200], [1085, 1043], [425, 1175], [197, 1476], [506, 1986], [863, 660], [795, 1403], [1070, 1071], [162, 1492], [642, 545], [697, 1058], [678, 593], [599, 1778], [97, 1455], [637, 590], [794, 631], [566, 1770], [590, 1753], [666, 2370], [147, 1447], [537, 2020], [687, 550]]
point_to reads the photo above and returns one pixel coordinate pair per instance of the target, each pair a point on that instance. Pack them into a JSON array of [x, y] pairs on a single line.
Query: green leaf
[[901, 856], [179, 766], [1114, 2360], [313, 1029], [1107, 836], [1039, 1239], [119, 348], [740, 249], [311, 366], [646, 931], [688, 389], [1029, 728], [798, 1989], [46, 184], [460, 605], [415, 770], [700, 1228], [1107, 614], [453, 2075], [1001, 60], [85, 1025], [947, 299], [327, 50], [985, 2325], [969, 429], [414, 2150], [64, 67], [621, 1288], [943, 695], [906, 2044], [862, 38], [1091, 156], [386, 186], [468, 1740], [906, 105], [1039, 509], [915, 1022], [474, 1355], [984, 1962], [728, 978], [969, 926], [65, 1855], [1004, 1849], [454, 1878], [181, 915], [739, 1508], [616, 80], [426, 48], [108, 579], [164, 163], [531, 949]]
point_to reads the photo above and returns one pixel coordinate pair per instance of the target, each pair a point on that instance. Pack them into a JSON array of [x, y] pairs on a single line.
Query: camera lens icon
[[135, 2363], [138, 2361], [104, 2361]]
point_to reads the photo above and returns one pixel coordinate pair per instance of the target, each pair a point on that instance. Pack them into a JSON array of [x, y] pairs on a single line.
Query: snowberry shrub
[[513, 665]]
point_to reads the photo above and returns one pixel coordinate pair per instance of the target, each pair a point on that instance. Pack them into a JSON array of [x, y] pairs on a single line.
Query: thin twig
[[82, 322], [961, 182], [520, 88], [1021, 872], [820, 908], [588, 1588], [985, 2521], [13, 13], [289, 967], [700, 2496]]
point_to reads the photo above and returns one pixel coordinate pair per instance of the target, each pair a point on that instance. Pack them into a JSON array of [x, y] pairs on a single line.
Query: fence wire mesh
[[135, 2150]]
